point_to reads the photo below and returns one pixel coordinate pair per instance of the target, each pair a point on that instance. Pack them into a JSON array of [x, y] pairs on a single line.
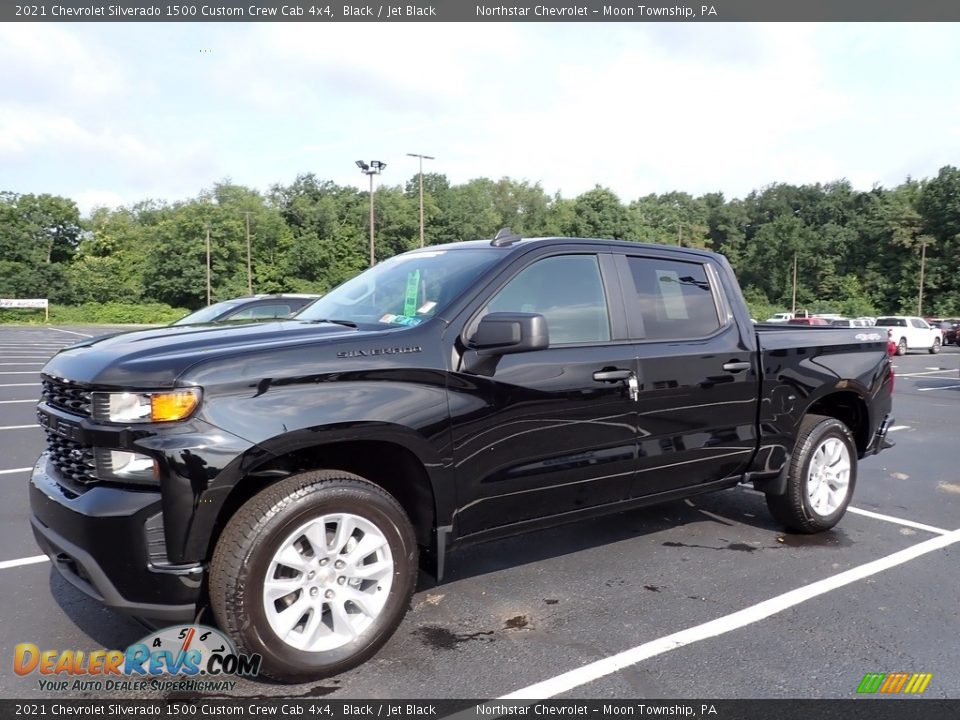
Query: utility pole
[[370, 170], [249, 266], [422, 158], [679, 225], [923, 260], [209, 293], [793, 306]]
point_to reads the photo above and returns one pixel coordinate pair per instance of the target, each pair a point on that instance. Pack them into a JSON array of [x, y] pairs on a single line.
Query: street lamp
[[209, 283], [923, 262], [370, 170], [422, 158]]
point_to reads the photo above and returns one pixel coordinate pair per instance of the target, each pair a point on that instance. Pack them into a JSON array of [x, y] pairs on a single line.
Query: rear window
[[672, 298], [891, 322]]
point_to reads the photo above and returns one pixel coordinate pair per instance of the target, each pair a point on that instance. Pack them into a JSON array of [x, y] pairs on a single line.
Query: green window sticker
[[413, 292]]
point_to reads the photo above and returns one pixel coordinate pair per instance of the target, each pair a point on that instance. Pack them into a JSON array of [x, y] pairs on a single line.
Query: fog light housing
[[124, 466]]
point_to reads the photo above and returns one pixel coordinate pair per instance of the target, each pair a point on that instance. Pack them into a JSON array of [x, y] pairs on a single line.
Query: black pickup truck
[[292, 475]]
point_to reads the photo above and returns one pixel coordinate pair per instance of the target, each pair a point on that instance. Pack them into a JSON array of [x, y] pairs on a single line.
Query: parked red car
[[809, 321]]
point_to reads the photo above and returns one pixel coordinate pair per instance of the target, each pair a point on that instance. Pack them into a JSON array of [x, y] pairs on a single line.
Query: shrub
[[111, 313]]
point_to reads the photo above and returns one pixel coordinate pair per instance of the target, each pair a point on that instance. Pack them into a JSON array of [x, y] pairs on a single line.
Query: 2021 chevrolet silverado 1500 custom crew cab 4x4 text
[[289, 474]]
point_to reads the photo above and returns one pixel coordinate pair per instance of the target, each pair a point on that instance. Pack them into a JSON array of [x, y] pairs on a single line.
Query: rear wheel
[[935, 348], [821, 477], [314, 573], [902, 346]]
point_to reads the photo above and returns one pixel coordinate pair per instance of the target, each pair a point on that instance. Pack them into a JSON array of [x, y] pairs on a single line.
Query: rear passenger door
[[698, 382]]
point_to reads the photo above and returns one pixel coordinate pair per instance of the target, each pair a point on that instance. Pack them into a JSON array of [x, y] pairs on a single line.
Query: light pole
[[422, 158], [249, 267], [209, 294], [923, 262], [793, 304], [370, 170]]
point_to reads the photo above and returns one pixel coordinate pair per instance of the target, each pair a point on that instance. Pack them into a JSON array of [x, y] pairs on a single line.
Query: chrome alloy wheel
[[327, 582], [828, 477]]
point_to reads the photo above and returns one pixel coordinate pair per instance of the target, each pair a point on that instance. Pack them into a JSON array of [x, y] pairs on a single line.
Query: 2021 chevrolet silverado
[[288, 474]]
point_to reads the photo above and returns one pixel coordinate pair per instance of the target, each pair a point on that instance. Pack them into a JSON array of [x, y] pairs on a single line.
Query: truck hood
[[155, 358]]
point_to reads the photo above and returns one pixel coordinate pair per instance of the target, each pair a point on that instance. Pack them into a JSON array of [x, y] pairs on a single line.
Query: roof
[[558, 240]]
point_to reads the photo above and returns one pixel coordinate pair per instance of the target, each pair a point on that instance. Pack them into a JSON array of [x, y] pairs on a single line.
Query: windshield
[[404, 290], [206, 314]]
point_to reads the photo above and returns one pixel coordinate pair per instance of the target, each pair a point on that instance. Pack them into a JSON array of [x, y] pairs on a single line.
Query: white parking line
[[11, 402], [722, 625], [898, 427], [15, 470], [19, 372], [8, 356], [942, 387], [21, 385], [16, 364], [922, 374], [897, 521], [23, 561], [70, 331], [16, 427]]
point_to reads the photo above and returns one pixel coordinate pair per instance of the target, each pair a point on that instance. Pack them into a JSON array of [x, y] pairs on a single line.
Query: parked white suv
[[779, 317], [912, 333]]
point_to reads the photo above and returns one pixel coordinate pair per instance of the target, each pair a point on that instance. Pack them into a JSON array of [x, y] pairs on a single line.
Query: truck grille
[[66, 396], [73, 461]]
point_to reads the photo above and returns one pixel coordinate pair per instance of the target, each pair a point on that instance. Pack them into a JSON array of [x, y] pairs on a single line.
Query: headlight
[[146, 407]]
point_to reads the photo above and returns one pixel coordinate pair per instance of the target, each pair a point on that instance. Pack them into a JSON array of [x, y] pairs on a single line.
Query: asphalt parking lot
[[705, 598]]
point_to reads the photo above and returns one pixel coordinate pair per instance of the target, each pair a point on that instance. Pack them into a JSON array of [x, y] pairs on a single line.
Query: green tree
[[38, 236]]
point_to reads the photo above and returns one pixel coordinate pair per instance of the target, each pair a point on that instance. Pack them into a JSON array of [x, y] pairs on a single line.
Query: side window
[[261, 311], [917, 323], [567, 290], [673, 299]]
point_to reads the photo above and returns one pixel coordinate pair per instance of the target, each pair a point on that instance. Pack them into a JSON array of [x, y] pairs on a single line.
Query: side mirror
[[505, 333], [500, 334]]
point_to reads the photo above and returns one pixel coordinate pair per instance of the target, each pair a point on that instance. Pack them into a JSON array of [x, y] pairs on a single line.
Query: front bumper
[[100, 541]]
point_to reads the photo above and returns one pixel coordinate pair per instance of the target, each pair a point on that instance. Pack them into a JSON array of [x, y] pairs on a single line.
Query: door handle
[[612, 375], [736, 367]]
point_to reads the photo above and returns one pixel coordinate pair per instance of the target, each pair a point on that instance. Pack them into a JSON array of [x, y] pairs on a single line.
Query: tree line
[[857, 252]]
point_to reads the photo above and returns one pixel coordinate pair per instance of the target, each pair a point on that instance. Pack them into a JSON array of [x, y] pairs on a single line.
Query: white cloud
[[138, 111], [87, 200], [23, 130], [51, 64]]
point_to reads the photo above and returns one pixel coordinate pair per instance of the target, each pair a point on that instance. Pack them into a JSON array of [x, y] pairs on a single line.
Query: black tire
[[902, 347], [246, 547], [936, 346], [793, 509]]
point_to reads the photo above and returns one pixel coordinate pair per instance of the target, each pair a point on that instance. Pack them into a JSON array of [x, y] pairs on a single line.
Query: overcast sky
[[116, 113]]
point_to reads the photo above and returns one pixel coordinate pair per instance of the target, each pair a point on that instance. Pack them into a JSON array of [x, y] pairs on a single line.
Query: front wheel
[[821, 477], [935, 348], [314, 573]]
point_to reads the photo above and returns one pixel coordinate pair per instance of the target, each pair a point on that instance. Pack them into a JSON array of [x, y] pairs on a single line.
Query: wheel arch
[[846, 405], [850, 408], [386, 463]]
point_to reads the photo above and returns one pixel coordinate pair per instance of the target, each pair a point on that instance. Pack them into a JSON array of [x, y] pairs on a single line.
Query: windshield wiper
[[346, 323]]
